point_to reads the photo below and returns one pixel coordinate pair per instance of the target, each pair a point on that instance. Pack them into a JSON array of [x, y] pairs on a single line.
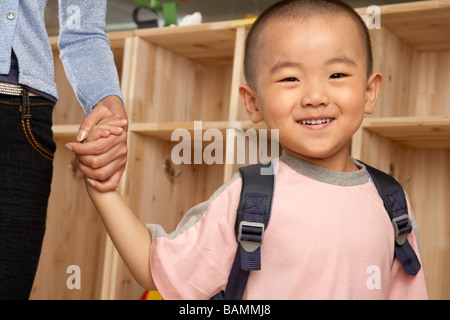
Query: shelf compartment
[[243, 147], [417, 132], [207, 43], [163, 130], [166, 86], [424, 25], [75, 235]]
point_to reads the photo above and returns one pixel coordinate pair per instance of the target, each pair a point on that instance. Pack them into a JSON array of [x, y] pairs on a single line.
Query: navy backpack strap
[[395, 203], [252, 218]]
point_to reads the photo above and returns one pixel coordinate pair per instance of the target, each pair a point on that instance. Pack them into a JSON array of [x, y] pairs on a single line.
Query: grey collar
[[326, 175]]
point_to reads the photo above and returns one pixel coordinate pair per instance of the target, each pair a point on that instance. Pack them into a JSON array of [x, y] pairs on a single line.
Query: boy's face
[[311, 83]]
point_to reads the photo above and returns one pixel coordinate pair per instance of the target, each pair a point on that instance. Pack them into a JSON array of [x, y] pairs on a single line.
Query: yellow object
[[151, 295], [242, 22]]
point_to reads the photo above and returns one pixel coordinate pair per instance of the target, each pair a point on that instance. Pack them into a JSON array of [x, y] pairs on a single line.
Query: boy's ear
[[373, 89], [248, 96]]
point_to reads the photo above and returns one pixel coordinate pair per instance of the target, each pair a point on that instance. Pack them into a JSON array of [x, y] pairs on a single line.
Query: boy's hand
[[103, 160], [111, 125]]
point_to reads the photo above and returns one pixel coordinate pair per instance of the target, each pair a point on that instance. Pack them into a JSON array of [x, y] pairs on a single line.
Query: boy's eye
[[337, 75], [289, 79]]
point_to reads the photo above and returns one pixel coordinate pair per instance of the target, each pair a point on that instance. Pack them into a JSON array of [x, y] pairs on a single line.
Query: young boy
[[309, 74]]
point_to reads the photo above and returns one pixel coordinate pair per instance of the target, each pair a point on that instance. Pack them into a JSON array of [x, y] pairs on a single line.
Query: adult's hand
[[103, 161]]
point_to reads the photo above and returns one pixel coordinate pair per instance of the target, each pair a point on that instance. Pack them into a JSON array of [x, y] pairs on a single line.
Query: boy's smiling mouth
[[310, 122]]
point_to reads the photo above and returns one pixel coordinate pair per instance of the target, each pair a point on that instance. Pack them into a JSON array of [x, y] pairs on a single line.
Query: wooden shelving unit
[[409, 133], [164, 130], [431, 132], [174, 76]]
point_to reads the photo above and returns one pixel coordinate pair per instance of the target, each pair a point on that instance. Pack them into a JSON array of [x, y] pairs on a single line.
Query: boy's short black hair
[[301, 9]]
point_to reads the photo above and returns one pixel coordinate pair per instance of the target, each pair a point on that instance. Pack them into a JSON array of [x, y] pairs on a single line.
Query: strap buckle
[[250, 235], [402, 227]]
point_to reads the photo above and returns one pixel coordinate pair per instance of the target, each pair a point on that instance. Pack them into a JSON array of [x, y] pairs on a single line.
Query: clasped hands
[[101, 150]]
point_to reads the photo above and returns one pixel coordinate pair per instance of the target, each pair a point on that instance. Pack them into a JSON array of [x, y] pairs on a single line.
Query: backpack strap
[[395, 203], [252, 218]]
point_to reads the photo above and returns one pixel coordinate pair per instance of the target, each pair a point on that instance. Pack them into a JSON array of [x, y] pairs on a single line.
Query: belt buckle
[[11, 89]]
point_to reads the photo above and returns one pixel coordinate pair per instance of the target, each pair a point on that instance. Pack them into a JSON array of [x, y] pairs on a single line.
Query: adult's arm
[[88, 61]]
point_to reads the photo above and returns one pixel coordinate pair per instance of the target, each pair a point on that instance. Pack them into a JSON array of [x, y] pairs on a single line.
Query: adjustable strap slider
[[250, 235], [402, 227]]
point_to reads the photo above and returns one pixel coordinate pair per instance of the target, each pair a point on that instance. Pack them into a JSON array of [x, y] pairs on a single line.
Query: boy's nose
[[314, 96]]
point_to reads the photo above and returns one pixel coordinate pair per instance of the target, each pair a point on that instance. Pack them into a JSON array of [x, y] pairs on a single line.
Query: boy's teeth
[[313, 121]]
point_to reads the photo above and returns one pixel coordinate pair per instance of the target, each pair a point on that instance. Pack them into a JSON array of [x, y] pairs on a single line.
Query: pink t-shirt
[[329, 237]]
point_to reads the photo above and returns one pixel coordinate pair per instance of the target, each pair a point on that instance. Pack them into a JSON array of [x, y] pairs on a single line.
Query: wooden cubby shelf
[[164, 130], [174, 76], [431, 132], [208, 43]]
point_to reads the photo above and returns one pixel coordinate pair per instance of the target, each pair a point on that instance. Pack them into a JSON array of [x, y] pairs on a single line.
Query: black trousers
[[26, 167]]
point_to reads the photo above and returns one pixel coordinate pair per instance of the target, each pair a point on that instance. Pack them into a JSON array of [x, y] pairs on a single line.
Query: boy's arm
[[129, 235]]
